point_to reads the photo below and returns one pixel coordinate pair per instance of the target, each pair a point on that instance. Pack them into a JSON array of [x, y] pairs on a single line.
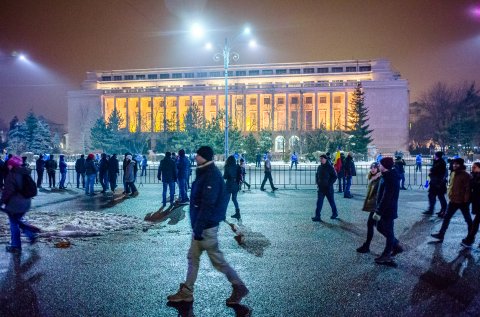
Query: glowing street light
[[226, 53]]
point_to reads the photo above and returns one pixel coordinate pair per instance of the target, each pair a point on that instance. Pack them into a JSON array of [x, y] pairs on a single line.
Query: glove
[[197, 237], [376, 217]]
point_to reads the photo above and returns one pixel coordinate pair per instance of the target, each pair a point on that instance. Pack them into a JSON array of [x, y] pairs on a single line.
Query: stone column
[[331, 111], [258, 113]]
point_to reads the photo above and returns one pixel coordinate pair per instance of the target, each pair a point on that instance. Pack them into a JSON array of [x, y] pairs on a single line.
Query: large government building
[[287, 98]]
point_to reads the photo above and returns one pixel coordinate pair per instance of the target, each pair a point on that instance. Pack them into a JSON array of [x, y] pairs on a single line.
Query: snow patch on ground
[[76, 224]]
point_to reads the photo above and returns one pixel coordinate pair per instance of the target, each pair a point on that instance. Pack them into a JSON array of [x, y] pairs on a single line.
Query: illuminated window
[[309, 70], [322, 70], [213, 102], [308, 120], [177, 75], [239, 101], [351, 69], [267, 72], [280, 71], [365, 68], [337, 99], [308, 100], [337, 69], [322, 99], [241, 73], [294, 100], [164, 76], [322, 119], [152, 76], [253, 72], [281, 100], [295, 71], [253, 101], [266, 100]]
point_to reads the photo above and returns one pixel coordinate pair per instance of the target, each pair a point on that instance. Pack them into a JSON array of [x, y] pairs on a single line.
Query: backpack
[[29, 188]]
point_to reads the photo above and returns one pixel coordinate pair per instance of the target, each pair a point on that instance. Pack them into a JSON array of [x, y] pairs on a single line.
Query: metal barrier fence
[[283, 177]]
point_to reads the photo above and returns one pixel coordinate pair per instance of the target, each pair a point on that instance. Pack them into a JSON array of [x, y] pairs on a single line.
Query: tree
[[41, 141], [16, 138], [99, 135], [358, 123], [337, 140], [250, 146], [317, 140], [265, 142]]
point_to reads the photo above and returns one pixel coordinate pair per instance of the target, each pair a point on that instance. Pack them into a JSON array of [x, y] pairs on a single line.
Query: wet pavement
[[292, 266]]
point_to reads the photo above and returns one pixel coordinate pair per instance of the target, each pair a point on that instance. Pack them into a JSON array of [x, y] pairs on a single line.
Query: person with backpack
[[208, 205], [51, 166], [16, 201], [40, 168], [232, 174], [63, 172]]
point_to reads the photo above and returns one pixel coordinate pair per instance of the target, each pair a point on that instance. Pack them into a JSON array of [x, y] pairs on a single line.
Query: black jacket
[[387, 196], [40, 165], [167, 171], [438, 173], [90, 167], [232, 175], [103, 166], [80, 165], [349, 167], [51, 165], [325, 177], [113, 166], [475, 193]]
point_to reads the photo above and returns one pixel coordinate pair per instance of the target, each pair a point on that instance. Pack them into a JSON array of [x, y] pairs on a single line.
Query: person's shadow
[[17, 296]]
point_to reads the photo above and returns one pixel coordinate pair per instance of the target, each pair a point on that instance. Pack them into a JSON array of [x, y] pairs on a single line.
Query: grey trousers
[[209, 244]]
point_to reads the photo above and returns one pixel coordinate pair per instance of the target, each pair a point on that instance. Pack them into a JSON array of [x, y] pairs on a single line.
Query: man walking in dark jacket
[[80, 170], [167, 174], [51, 166], [386, 210], [103, 172], [183, 172], [208, 206], [325, 178], [40, 167], [113, 171], [438, 185]]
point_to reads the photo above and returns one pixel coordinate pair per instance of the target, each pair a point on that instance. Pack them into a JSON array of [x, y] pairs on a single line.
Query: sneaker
[[262, 189], [238, 292], [384, 259], [12, 249], [438, 236], [184, 294], [427, 213], [315, 219], [397, 250], [465, 244], [274, 189], [363, 249], [335, 216]]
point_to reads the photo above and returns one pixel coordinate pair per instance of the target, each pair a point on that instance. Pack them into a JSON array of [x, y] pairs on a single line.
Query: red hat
[[90, 156], [387, 162], [15, 161]]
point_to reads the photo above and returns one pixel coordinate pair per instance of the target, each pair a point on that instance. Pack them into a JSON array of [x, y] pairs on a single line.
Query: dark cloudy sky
[[426, 40]]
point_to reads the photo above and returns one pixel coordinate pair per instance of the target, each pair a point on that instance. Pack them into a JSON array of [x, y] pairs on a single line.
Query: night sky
[[427, 41]]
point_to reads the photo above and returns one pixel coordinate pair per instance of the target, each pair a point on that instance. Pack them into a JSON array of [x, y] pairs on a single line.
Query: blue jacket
[[208, 199], [167, 171], [183, 167], [62, 165], [387, 196]]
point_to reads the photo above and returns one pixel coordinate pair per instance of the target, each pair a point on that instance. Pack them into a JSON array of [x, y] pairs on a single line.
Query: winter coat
[[341, 171], [371, 199], [349, 167], [90, 167], [475, 193], [80, 165], [183, 167], [103, 166], [113, 166], [325, 177], [130, 171], [40, 165], [51, 165], [268, 166], [400, 166], [437, 174], [208, 198], [11, 197], [459, 189], [167, 171], [63, 166], [232, 174], [387, 195]]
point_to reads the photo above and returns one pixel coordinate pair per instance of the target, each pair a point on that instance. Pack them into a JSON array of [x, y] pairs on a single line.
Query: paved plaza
[[119, 265]]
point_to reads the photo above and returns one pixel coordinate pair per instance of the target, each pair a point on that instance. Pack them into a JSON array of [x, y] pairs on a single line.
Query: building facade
[[287, 98]]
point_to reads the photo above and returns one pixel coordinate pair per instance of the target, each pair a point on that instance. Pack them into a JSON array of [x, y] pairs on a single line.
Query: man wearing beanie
[[183, 172], [167, 174], [386, 210], [208, 205], [438, 185], [325, 178], [459, 197]]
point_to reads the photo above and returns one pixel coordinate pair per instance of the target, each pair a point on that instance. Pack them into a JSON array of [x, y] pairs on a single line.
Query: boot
[[363, 249], [238, 292], [236, 215], [184, 294]]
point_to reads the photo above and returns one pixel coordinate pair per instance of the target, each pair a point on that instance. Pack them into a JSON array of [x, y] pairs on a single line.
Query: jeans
[[90, 182], [294, 162], [182, 189], [320, 197], [103, 181], [209, 244], [63, 177], [418, 167], [51, 179], [113, 181], [144, 171], [17, 224], [268, 175], [82, 176], [171, 187], [341, 184], [386, 227], [348, 184], [39, 178], [473, 231], [234, 199], [451, 210], [402, 180]]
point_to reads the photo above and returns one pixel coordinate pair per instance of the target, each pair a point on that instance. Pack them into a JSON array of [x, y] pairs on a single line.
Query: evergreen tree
[[265, 142], [317, 140], [16, 138], [250, 146], [99, 135], [41, 141], [358, 118]]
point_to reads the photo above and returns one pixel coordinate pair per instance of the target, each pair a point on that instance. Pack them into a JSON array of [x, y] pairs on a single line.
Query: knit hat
[[168, 154], [323, 156], [15, 161], [181, 153], [439, 154], [128, 157], [206, 152], [459, 161], [387, 162], [90, 156]]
